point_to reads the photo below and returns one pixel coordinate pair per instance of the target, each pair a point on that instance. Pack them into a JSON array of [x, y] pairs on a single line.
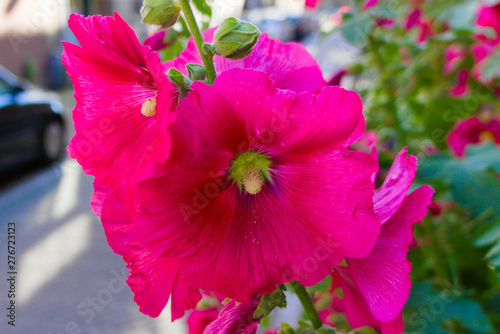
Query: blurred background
[[427, 71]]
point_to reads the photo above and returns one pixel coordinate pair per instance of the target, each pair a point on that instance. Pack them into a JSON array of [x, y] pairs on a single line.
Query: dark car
[[31, 126]]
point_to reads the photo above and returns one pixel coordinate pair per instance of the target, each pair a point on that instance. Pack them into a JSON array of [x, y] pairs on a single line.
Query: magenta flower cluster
[[240, 186]]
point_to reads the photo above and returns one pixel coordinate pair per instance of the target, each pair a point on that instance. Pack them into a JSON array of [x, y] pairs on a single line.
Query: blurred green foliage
[[409, 89]]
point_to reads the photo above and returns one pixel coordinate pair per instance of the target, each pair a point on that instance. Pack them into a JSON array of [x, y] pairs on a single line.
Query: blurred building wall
[[30, 32]]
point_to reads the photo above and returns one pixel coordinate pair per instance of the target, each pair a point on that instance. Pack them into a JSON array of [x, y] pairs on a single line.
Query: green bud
[[196, 72], [234, 39], [160, 12]]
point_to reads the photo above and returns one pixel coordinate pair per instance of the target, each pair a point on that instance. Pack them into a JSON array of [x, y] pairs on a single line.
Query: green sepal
[[196, 72], [179, 79], [160, 12], [208, 49], [269, 302], [235, 39]]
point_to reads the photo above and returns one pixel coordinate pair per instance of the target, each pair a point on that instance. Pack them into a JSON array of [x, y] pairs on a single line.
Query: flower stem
[[304, 298], [198, 39]]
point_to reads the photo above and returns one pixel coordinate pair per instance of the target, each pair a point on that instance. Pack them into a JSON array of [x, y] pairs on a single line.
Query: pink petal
[[152, 279], [382, 276], [198, 320], [393, 191], [235, 319], [320, 200]]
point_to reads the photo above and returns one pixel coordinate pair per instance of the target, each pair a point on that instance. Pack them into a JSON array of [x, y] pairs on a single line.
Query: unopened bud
[[160, 12], [234, 39]]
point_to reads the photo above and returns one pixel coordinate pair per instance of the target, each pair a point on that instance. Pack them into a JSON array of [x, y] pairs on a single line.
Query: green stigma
[[250, 170]]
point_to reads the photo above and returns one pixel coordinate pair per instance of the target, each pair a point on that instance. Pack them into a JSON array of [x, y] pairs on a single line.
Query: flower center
[[250, 170], [148, 107]]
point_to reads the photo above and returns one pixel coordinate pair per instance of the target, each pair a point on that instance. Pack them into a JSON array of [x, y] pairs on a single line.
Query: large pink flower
[[114, 76], [314, 208], [472, 131], [377, 286]]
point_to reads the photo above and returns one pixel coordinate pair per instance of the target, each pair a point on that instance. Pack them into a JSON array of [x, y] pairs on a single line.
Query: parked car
[[31, 125]]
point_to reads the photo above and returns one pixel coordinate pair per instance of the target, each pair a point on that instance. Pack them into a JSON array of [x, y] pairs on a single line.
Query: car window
[[5, 88]]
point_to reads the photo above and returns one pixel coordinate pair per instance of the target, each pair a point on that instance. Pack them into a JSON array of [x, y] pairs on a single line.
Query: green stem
[[304, 298], [198, 39]]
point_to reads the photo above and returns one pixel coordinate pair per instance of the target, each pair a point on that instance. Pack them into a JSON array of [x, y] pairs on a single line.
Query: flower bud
[[160, 12], [234, 39], [196, 72]]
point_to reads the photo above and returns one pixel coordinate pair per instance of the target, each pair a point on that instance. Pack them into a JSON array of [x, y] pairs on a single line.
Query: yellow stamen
[[253, 180], [148, 107], [486, 136]]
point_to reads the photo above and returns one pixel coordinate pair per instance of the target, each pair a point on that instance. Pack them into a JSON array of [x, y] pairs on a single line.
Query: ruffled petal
[[382, 276], [393, 191], [316, 210], [235, 319], [113, 75], [152, 279]]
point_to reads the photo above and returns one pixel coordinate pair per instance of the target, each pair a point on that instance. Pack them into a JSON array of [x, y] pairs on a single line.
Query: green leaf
[[473, 180], [491, 66], [428, 311], [356, 28], [268, 302]]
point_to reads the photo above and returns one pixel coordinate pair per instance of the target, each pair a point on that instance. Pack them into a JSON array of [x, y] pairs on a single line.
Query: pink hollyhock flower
[[121, 118], [289, 65], [123, 105], [235, 319], [198, 320], [377, 286], [472, 131], [264, 189], [156, 40]]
